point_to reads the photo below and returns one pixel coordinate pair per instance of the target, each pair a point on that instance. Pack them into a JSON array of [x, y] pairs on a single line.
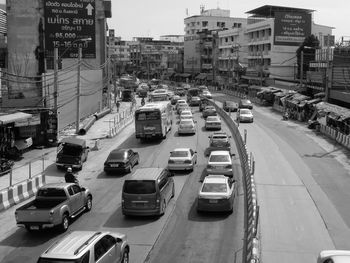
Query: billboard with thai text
[[291, 28]]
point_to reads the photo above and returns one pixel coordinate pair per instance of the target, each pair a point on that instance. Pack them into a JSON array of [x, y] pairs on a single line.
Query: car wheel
[[65, 223], [125, 258], [163, 208], [88, 205], [137, 161]]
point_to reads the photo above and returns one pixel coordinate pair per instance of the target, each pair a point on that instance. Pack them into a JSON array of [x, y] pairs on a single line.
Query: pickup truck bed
[[46, 204]]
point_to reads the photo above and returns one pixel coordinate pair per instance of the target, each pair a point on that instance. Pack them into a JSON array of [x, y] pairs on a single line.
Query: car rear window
[[179, 154], [139, 187], [51, 192], [219, 137], [214, 188], [117, 155], [219, 158], [244, 111]]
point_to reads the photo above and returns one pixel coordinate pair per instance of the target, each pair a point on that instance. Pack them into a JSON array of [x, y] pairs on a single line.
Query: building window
[[204, 23], [232, 38], [226, 39]]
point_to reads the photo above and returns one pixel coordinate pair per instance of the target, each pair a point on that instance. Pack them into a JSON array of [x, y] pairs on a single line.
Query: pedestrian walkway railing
[[23, 172]]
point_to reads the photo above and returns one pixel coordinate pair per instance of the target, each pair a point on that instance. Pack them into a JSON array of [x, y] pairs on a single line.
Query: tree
[[309, 46]]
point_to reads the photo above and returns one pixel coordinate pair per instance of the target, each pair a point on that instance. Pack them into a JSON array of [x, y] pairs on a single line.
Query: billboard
[[68, 21], [291, 28]]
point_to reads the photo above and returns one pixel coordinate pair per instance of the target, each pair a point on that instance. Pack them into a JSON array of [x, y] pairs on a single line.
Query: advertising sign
[[67, 23], [291, 28]]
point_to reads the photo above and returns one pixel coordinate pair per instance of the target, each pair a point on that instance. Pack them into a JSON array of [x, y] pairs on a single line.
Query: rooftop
[[269, 10]]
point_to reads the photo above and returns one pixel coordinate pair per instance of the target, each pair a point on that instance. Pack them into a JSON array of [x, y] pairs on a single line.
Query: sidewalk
[[35, 161]]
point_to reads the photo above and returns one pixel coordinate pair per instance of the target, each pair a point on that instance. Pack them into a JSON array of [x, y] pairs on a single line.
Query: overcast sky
[[153, 18]]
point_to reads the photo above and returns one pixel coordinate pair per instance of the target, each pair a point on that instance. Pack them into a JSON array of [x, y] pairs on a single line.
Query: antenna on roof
[[201, 9]]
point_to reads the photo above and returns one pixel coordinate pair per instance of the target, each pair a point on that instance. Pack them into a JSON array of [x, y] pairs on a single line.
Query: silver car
[[217, 193], [220, 162], [213, 123], [245, 115], [186, 126], [182, 159]]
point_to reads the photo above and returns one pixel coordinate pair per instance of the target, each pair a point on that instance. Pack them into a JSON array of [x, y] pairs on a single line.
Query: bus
[[153, 120]]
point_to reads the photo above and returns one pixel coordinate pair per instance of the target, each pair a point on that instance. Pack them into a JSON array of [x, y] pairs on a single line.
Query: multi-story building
[[172, 38], [154, 58], [201, 35], [273, 38], [34, 35]]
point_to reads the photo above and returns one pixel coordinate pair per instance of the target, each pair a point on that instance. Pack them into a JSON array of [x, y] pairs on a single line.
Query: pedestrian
[[118, 105]]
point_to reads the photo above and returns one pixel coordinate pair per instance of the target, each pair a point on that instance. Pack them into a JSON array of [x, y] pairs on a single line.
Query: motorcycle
[[5, 166]]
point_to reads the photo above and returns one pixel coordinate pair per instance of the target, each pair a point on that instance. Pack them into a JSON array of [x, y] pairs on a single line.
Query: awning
[[12, 117], [336, 112], [185, 75]]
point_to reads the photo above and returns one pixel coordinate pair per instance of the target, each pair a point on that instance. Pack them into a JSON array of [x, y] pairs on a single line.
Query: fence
[[121, 120]]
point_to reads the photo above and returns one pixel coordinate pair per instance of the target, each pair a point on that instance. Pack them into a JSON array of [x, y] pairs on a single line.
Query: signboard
[[66, 23], [291, 28]]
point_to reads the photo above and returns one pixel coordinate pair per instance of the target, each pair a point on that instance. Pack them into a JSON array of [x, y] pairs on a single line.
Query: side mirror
[[233, 154]]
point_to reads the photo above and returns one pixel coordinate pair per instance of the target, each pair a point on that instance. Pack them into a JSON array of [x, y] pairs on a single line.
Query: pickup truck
[[54, 205], [71, 152]]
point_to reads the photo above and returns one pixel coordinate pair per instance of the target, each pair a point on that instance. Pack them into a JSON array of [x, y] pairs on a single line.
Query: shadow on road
[[194, 215]]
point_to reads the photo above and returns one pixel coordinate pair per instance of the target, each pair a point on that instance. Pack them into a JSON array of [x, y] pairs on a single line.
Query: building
[[273, 39], [172, 38], [156, 58], [34, 33], [199, 30]]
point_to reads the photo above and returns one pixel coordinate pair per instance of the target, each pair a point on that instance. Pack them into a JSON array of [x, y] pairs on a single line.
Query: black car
[[180, 91], [229, 106], [245, 104], [121, 160]]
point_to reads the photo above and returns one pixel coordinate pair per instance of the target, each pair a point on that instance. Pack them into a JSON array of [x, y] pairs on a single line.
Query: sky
[[153, 18]]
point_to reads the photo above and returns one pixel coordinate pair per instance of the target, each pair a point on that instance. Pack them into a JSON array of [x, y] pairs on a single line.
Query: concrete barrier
[[21, 191]]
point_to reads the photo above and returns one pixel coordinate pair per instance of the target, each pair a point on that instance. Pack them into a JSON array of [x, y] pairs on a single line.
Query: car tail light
[[187, 161], [209, 166], [228, 166], [171, 161]]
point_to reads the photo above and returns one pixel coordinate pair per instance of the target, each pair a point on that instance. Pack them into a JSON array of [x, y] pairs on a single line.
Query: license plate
[[219, 168], [213, 201], [34, 227], [114, 165]]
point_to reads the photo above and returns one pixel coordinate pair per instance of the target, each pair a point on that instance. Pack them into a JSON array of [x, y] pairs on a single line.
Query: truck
[[71, 152], [54, 205]]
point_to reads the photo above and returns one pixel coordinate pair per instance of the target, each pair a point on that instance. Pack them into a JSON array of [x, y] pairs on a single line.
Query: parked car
[[217, 193], [244, 115], [54, 205], [121, 160], [182, 159], [220, 162], [229, 106], [186, 127], [245, 104], [334, 256], [174, 99], [209, 111], [71, 152], [195, 101], [220, 140], [88, 247], [212, 123], [147, 192]]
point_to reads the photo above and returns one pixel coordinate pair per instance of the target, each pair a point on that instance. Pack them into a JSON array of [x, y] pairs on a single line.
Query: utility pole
[[327, 71], [261, 68], [78, 91], [55, 80], [301, 67]]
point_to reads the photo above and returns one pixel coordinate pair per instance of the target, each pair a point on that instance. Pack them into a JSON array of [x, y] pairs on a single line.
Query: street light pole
[[55, 79], [78, 91]]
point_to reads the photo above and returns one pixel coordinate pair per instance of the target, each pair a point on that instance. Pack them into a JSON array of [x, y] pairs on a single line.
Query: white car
[[220, 162], [179, 103], [207, 94], [213, 123], [245, 115], [217, 193], [186, 127], [182, 159], [334, 256], [183, 107], [186, 113]]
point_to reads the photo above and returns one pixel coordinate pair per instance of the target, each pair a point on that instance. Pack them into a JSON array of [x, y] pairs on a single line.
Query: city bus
[[153, 120]]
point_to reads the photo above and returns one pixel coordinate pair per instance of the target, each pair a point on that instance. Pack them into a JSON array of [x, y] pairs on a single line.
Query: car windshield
[[139, 187], [244, 111], [214, 188], [186, 113], [230, 103], [54, 260], [246, 102], [179, 154], [209, 108], [219, 158]]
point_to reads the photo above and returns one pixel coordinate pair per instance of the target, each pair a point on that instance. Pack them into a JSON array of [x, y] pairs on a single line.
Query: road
[[222, 234], [303, 188]]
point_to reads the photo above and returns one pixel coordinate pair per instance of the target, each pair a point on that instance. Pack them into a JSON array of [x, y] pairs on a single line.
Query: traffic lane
[[284, 182], [204, 237], [106, 212]]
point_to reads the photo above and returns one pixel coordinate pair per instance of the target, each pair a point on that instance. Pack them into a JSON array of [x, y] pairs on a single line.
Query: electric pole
[[55, 80], [301, 67], [78, 91]]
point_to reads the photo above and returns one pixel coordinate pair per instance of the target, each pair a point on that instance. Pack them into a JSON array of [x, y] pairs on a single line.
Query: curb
[[20, 192]]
